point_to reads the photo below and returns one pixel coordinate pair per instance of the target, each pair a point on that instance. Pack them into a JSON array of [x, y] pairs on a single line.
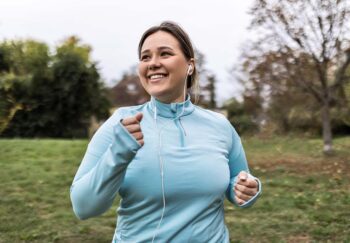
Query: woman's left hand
[[245, 188]]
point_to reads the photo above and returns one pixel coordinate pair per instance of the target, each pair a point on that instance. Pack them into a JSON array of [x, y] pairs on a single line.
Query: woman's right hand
[[132, 124]]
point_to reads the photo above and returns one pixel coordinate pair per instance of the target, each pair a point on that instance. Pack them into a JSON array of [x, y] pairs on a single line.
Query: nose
[[154, 63]]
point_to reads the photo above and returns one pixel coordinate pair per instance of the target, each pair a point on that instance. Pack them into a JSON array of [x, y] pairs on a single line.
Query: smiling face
[[163, 67]]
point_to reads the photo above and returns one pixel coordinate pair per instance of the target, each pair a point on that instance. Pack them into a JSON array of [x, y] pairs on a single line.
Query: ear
[[192, 63]]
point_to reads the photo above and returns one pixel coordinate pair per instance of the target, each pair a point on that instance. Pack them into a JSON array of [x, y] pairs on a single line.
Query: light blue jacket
[[201, 154]]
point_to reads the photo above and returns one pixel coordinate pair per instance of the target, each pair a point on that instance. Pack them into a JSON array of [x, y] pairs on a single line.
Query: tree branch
[[340, 76]]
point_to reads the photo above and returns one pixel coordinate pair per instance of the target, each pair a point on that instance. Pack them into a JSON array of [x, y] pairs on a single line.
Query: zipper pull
[[182, 127]]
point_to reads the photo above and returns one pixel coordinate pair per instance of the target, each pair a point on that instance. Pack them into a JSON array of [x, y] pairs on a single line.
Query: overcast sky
[[113, 28]]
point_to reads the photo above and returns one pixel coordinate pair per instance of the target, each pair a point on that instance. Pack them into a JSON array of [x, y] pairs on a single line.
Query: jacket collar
[[171, 110]]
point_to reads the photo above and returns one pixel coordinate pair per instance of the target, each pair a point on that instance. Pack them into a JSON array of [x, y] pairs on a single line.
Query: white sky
[[113, 29]]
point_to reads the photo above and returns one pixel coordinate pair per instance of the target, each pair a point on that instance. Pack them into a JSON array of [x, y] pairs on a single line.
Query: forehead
[[160, 39]]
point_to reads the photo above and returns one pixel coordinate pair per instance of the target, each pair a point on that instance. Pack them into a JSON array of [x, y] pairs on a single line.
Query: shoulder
[[219, 122], [213, 117]]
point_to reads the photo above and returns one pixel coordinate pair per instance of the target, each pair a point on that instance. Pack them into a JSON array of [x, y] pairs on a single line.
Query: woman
[[171, 162]]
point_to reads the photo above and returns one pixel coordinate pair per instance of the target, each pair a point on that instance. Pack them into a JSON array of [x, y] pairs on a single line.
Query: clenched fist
[[246, 187], [132, 124]]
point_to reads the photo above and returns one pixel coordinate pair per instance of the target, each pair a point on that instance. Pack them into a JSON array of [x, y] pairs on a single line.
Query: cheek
[[141, 69], [143, 82], [177, 69], [142, 72]]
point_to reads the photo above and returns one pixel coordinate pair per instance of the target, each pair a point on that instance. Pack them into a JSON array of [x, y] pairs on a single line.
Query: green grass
[[305, 195]]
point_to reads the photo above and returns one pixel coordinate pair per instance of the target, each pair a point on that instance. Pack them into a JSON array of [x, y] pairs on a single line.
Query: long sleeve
[[238, 163], [102, 169]]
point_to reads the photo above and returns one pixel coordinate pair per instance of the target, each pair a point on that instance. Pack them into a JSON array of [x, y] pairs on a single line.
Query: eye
[[165, 54], [145, 57]]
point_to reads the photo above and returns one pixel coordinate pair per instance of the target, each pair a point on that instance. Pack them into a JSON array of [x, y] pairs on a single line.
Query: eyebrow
[[159, 48]]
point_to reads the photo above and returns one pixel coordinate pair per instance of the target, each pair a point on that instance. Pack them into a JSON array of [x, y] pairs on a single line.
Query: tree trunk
[[326, 128]]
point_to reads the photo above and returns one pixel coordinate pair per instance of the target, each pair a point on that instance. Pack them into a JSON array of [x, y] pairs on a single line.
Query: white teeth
[[157, 76]]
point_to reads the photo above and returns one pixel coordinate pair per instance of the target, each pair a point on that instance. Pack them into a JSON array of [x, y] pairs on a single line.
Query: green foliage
[[240, 117], [45, 94], [294, 111], [305, 195]]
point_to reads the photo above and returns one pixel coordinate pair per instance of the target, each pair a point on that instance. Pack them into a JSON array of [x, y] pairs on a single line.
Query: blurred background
[[278, 70]]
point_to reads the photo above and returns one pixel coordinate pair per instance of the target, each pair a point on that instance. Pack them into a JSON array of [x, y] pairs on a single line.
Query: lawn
[[306, 196]]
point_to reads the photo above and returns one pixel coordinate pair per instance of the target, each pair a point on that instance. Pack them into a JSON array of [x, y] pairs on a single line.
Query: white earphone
[[189, 70]]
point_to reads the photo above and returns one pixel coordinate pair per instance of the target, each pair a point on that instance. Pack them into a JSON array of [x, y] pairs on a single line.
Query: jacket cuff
[[124, 146], [251, 201]]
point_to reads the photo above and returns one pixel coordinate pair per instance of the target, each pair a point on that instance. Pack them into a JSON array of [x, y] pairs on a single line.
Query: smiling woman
[[171, 162], [163, 67]]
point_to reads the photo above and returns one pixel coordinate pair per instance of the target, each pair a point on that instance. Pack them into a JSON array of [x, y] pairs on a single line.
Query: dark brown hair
[[182, 37]]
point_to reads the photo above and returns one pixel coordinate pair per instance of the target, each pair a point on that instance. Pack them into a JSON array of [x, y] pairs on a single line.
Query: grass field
[[306, 196]]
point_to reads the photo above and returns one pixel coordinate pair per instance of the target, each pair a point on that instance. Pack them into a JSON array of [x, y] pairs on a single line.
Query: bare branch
[[340, 76]]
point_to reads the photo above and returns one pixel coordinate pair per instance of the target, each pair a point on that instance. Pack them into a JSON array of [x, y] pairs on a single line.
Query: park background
[[285, 88]]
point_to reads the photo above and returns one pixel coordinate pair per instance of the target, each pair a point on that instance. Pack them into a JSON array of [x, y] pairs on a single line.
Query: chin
[[157, 93]]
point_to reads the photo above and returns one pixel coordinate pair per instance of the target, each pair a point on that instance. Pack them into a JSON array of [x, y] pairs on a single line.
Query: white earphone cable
[[161, 162]]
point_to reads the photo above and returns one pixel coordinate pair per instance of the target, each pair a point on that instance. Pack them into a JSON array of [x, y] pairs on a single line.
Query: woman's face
[[163, 67]]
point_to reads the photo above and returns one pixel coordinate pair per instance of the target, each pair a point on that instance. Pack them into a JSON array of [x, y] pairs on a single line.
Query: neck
[[179, 99]]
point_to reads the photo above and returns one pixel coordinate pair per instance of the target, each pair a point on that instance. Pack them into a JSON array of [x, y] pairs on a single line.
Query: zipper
[[182, 132], [183, 129]]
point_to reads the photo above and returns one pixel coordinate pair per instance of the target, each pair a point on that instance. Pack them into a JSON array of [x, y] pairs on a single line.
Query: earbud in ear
[[189, 70]]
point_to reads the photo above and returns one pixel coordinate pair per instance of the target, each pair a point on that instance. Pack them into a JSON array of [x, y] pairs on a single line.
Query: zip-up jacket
[[201, 157]]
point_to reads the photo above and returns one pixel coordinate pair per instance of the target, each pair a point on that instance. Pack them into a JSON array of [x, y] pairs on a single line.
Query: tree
[[55, 95], [23, 66], [240, 116], [210, 87], [318, 29], [207, 80], [77, 90], [271, 87]]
